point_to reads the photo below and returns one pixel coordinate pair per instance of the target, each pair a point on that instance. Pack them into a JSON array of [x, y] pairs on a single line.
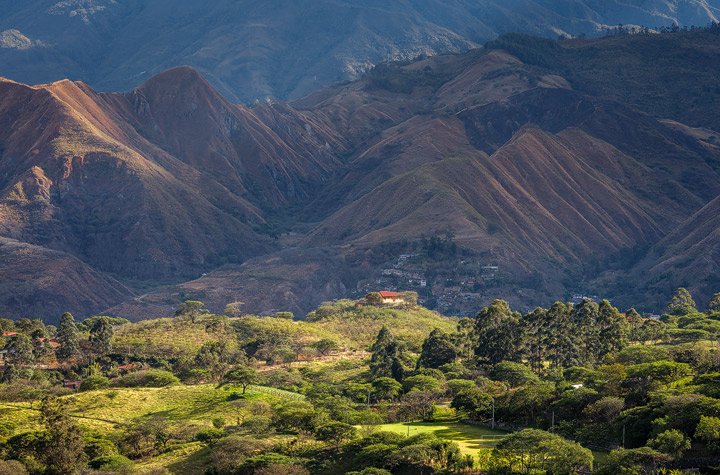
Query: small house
[[391, 298]]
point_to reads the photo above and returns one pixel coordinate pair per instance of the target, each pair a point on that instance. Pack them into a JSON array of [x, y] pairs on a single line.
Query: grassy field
[[167, 337], [353, 328], [472, 439], [108, 409], [360, 325]]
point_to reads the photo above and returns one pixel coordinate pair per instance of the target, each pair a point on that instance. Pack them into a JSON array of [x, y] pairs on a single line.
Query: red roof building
[[391, 298]]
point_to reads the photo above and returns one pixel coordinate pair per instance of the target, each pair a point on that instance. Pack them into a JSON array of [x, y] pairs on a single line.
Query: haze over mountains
[[285, 48], [131, 202]]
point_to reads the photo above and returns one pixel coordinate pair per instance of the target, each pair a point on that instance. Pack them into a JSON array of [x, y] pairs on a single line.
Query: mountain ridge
[[523, 182], [281, 48]]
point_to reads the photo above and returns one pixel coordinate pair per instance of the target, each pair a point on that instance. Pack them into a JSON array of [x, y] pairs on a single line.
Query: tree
[[531, 450], [563, 339], [191, 309], [335, 432], [535, 338], [325, 346], [416, 405], [714, 303], [708, 430], [671, 442], [421, 382], [234, 309], [641, 460], [437, 349], [605, 410], [214, 357], [374, 298], [20, 350], [386, 388], [410, 298], [243, 376], [613, 330], [101, 334], [497, 329], [681, 303], [586, 318], [68, 337], [64, 453], [474, 403], [465, 338], [515, 374], [388, 356]]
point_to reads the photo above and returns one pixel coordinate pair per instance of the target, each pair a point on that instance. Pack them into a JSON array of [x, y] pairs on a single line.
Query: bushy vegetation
[[503, 392]]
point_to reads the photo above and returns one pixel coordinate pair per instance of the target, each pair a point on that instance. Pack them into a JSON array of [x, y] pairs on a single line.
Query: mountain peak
[[179, 77]]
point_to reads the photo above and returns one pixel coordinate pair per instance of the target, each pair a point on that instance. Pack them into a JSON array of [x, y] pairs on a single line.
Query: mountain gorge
[[531, 181]]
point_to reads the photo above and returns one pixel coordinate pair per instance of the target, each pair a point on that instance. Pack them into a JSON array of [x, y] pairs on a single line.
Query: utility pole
[[623, 436], [552, 424]]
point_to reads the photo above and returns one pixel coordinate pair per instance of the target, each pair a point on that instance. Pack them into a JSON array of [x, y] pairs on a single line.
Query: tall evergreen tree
[[68, 337], [498, 333], [388, 356], [20, 350], [613, 330], [101, 334], [64, 453], [585, 318], [563, 339], [535, 338], [437, 349], [681, 303], [464, 338]]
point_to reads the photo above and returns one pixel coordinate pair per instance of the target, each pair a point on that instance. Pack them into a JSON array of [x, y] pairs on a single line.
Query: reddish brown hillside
[[75, 177], [541, 187], [180, 112], [38, 282]]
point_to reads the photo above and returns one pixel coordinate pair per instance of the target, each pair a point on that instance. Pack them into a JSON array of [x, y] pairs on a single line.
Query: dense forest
[[366, 388]]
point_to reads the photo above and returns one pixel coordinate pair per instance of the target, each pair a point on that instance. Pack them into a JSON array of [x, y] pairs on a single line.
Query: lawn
[[471, 439]]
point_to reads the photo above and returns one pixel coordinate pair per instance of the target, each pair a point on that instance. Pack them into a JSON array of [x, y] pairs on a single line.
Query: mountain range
[[512, 170], [286, 48]]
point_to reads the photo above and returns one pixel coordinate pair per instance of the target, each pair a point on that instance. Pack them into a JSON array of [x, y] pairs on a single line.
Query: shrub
[[671, 442], [96, 381], [99, 447], [112, 463], [208, 435], [281, 469], [12, 467], [229, 453], [150, 378], [371, 471], [258, 425]]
